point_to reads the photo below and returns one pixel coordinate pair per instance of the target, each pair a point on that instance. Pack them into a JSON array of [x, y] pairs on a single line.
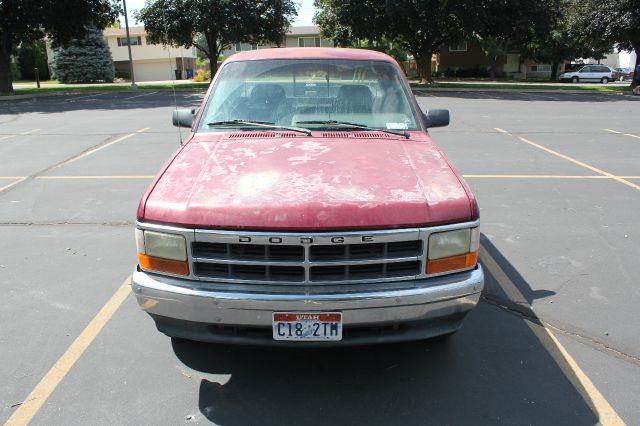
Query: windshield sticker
[[397, 126]]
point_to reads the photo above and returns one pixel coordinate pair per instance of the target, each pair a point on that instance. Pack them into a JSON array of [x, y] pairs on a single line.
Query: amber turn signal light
[[178, 267], [452, 263]]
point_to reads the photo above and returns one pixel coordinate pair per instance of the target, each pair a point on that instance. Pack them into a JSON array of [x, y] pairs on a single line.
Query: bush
[[472, 72], [202, 75], [30, 56], [469, 73], [84, 60], [123, 74]]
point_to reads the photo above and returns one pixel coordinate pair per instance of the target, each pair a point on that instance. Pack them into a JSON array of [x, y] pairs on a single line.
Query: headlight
[[162, 252], [453, 250]]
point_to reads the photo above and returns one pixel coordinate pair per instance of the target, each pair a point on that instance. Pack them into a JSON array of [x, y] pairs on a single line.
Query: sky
[[305, 11]]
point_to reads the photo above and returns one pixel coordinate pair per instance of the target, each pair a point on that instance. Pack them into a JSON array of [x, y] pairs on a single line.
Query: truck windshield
[[310, 93]]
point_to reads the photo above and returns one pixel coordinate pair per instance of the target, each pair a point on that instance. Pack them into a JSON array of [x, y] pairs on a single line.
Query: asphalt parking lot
[[554, 340]]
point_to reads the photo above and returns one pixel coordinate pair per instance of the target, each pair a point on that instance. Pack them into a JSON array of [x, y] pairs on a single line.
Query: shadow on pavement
[[102, 101], [500, 368]]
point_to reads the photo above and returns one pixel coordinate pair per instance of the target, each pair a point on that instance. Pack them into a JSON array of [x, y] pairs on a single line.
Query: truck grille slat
[[307, 260]]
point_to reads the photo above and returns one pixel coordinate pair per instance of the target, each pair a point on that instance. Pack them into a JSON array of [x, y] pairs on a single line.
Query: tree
[[558, 39], [221, 23], [84, 60], [421, 27], [502, 27], [612, 22], [31, 55], [348, 23], [29, 20]]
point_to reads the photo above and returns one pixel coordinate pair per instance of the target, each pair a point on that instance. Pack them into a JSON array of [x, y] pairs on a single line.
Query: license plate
[[307, 326]]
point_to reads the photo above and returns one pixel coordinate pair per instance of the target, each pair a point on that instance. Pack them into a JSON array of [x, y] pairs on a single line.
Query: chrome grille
[[308, 259], [365, 251], [250, 272], [265, 253]]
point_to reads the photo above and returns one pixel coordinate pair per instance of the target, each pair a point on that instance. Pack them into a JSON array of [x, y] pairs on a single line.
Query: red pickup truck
[[308, 206]]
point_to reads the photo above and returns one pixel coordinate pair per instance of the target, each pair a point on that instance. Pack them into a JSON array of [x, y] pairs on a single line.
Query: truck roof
[[309, 53]]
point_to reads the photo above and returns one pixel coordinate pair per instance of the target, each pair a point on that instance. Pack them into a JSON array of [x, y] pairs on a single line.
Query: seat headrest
[[268, 93]]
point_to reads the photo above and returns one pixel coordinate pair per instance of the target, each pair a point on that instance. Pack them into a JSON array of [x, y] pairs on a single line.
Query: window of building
[[540, 68], [245, 46], [460, 47], [135, 41], [308, 41]]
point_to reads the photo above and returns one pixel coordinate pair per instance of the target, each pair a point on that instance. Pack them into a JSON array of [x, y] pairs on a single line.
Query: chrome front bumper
[[423, 300]]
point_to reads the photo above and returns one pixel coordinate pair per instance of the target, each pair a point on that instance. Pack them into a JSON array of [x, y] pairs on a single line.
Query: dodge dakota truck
[[308, 206]]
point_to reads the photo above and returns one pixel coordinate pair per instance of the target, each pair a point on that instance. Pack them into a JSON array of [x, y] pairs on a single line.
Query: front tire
[[575, 80], [604, 80]]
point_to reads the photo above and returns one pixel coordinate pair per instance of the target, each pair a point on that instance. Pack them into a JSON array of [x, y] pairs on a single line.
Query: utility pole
[[126, 25]]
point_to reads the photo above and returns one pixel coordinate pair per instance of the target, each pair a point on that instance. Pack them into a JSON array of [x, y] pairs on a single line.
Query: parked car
[[573, 67], [589, 73], [309, 206], [624, 74]]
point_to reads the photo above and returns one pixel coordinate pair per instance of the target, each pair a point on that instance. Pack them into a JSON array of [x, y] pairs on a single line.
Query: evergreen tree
[[23, 21], [84, 60]]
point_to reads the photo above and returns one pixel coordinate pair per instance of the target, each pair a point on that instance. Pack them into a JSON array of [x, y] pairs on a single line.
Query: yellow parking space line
[[93, 95], [607, 415], [623, 134], [101, 147], [12, 184], [139, 96], [547, 177], [19, 134], [12, 177], [573, 160], [30, 131], [32, 403], [535, 177], [92, 177], [580, 163]]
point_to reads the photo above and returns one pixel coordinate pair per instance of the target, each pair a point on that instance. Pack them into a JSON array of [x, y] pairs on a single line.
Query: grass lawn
[[105, 87], [520, 86]]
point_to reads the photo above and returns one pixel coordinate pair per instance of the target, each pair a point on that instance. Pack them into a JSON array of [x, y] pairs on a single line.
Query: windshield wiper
[[353, 126], [266, 124]]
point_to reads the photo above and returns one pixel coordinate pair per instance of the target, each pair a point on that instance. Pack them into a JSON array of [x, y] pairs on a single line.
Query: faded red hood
[[302, 183]]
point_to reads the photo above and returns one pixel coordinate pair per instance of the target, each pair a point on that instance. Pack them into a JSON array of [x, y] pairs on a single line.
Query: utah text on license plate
[[307, 326]]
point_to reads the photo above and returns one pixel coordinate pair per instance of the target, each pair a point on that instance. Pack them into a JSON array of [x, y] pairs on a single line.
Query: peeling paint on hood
[[308, 183]]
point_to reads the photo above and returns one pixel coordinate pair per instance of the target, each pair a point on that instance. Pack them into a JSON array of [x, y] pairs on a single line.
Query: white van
[[592, 73]]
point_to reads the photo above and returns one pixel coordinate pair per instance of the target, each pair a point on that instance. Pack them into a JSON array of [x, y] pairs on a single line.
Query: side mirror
[[184, 117], [436, 118]]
